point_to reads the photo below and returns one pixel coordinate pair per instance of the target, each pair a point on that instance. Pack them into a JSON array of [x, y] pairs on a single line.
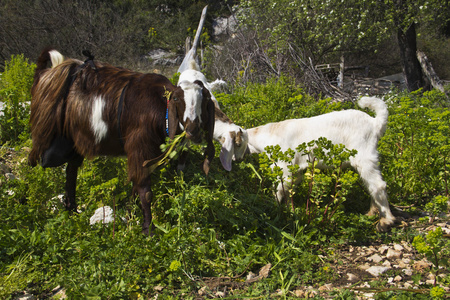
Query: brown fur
[[62, 100]]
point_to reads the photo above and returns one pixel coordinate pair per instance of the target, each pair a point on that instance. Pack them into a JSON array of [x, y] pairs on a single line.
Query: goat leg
[[209, 155], [145, 195], [71, 182]]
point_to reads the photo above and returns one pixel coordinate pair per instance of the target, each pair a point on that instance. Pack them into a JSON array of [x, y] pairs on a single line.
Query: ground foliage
[[222, 226]]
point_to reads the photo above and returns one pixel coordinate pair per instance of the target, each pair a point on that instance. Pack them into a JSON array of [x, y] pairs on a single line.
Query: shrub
[[15, 86], [325, 190], [415, 149], [276, 100]]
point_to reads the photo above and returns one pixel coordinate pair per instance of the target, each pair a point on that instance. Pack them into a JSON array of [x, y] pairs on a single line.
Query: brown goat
[[88, 109]]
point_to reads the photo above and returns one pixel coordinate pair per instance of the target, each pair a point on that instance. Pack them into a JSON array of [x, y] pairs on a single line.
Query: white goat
[[352, 128], [232, 137]]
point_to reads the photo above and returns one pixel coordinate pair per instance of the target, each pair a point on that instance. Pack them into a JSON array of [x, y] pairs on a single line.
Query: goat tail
[[46, 56], [380, 109]]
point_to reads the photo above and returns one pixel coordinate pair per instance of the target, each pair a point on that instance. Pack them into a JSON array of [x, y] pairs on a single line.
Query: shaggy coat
[[352, 128], [88, 109]]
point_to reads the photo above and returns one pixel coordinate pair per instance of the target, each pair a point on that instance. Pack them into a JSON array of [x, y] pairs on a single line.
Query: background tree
[[121, 32], [325, 29]]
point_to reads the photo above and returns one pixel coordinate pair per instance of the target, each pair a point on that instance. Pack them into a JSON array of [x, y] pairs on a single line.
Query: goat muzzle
[[193, 131]]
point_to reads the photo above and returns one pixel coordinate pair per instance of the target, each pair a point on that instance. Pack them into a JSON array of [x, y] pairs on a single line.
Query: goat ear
[[172, 119], [226, 153]]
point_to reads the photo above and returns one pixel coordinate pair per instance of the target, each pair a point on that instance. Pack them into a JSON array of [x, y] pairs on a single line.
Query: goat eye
[[175, 99]]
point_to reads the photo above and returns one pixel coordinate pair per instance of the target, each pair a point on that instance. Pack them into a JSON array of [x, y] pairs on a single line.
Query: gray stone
[[352, 277], [398, 247], [10, 176], [375, 258], [377, 270], [393, 254], [103, 214]]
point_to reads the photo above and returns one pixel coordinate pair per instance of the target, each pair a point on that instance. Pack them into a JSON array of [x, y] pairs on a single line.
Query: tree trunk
[[410, 63], [429, 72]]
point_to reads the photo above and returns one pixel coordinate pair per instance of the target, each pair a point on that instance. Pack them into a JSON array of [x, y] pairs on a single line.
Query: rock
[[387, 264], [264, 272], [220, 294], [408, 284], [375, 258], [300, 293], [377, 270], [26, 296], [10, 176], [393, 254], [364, 267], [398, 247], [103, 214], [405, 255], [224, 26], [250, 275], [421, 265], [352, 277], [406, 246], [158, 288], [383, 249], [202, 291], [407, 272], [402, 265], [164, 58], [445, 230], [326, 287], [59, 293], [398, 278]]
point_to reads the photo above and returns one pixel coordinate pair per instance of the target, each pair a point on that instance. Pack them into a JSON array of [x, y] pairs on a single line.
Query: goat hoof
[[384, 225]]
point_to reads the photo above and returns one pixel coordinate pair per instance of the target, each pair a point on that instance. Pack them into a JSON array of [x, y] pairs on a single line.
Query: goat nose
[[193, 133]]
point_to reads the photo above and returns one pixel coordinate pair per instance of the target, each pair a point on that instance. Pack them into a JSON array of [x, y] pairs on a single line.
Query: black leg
[[71, 182]]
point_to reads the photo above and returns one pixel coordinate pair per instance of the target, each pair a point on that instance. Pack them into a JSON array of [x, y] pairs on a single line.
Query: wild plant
[[326, 188], [15, 85], [415, 149], [435, 248]]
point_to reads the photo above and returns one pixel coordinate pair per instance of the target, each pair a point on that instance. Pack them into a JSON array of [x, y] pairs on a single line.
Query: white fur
[[99, 127], [352, 128], [223, 131], [193, 100], [217, 84], [192, 75], [56, 58]]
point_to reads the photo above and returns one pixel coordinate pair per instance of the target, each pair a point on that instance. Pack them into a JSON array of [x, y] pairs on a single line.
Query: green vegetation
[[15, 86], [222, 226], [435, 249]]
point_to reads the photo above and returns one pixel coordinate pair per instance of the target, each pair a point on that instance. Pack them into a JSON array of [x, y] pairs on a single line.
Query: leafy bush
[[15, 86], [276, 100], [435, 248], [325, 190], [416, 146]]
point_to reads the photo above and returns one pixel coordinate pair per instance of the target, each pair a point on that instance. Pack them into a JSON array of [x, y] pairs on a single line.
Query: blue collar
[[167, 117]]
